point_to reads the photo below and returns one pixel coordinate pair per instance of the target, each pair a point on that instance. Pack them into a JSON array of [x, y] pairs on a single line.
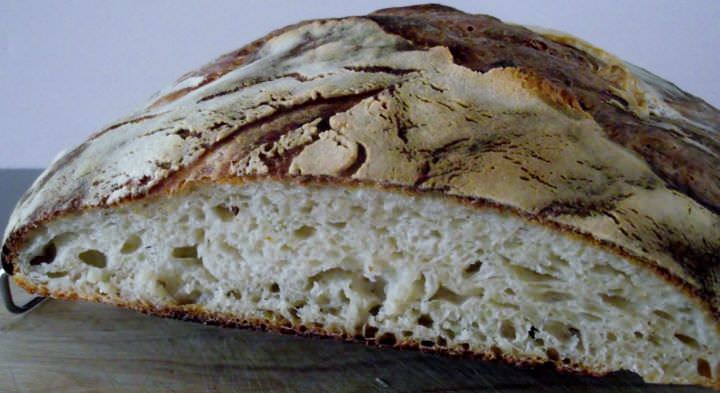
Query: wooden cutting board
[[81, 347]]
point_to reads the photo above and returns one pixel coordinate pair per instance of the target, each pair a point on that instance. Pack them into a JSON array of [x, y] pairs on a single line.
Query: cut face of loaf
[[398, 269], [415, 177]]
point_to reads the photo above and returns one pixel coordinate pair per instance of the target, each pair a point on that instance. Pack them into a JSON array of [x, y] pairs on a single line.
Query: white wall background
[[69, 67]]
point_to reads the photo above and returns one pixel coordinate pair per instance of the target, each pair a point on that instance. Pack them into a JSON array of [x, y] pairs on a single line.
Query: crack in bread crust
[[481, 43]]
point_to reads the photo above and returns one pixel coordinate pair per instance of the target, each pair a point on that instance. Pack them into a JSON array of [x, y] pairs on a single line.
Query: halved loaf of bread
[[418, 177]]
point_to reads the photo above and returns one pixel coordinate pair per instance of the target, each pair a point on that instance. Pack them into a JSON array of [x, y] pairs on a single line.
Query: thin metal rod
[[7, 296]]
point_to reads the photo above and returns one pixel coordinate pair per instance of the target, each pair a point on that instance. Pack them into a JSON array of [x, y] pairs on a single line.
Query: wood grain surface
[[81, 348]]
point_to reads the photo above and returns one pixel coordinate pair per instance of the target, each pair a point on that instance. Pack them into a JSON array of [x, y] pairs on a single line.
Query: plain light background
[[69, 67]]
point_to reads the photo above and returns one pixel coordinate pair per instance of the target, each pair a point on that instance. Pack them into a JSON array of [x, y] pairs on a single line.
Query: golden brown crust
[[482, 42], [427, 99]]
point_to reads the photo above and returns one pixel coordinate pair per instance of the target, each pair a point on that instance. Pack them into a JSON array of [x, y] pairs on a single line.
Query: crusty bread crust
[[423, 99]]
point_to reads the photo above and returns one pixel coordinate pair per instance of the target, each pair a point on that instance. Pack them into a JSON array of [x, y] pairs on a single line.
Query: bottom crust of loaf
[[196, 314], [382, 267]]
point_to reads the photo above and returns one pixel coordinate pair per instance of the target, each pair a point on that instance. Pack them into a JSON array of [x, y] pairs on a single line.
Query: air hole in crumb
[[294, 313], [436, 234], [566, 361], [387, 339], [558, 261], [56, 274], [509, 291], [295, 309], [425, 320], [427, 343], [590, 317], [330, 310], [271, 316], [185, 252], [199, 214], [225, 213], [441, 341], [470, 28], [407, 333], [304, 232], [529, 275], [199, 235], [322, 300], [703, 368], [606, 269], [343, 297], [374, 310], [638, 335], [93, 258], [449, 334], [687, 340], [465, 346], [611, 337], [132, 243], [532, 332], [185, 299], [472, 268], [662, 314], [558, 330], [48, 255], [234, 294], [392, 242], [552, 354], [326, 276], [617, 301], [370, 331], [553, 296], [445, 294], [338, 225], [654, 339], [507, 330], [226, 247], [496, 351], [274, 287], [377, 287]]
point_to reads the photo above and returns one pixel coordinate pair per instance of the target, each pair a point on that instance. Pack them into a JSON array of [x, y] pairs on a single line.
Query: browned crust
[[481, 42]]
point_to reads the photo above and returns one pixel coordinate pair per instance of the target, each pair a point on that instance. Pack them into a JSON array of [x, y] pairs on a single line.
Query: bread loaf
[[418, 177]]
